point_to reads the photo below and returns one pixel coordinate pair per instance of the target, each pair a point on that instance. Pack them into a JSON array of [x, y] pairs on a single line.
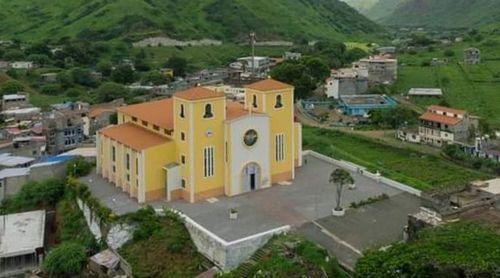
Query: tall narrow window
[[127, 161], [181, 114], [208, 111], [137, 166], [113, 154], [208, 162], [280, 147], [254, 101], [279, 103]]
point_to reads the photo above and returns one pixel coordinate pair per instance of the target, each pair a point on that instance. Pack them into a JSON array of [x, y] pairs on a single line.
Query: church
[[198, 144]]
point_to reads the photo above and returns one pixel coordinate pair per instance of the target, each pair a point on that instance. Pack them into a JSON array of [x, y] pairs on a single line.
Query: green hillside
[[445, 13], [382, 9], [193, 19]]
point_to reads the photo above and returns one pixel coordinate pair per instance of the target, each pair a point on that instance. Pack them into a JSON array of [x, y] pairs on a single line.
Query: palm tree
[[340, 177]]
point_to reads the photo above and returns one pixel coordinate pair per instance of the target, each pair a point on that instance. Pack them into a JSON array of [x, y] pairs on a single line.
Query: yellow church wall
[[281, 121], [183, 149], [155, 159], [208, 133], [298, 144]]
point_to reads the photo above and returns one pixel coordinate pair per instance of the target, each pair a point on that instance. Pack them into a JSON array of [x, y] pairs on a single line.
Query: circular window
[[250, 137]]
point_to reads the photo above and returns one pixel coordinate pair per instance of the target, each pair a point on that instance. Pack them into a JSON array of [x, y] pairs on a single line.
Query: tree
[[82, 76], [340, 178], [178, 64], [123, 74], [109, 91], [105, 67], [65, 259], [449, 53], [11, 87], [155, 78], [39, 59], [78, 167]]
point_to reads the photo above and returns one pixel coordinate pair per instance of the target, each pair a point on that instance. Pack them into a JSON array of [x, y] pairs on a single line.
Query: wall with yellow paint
[[155, 159]]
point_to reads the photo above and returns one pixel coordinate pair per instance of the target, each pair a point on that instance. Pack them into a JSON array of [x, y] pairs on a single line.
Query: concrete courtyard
[[309, 197]]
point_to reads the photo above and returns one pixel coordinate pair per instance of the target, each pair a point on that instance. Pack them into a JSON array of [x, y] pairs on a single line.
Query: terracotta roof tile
[[159, 112], [268, 85], [446, 109], [133, 136], [94, 112], [432, 117], [235, 110], [198, 93]]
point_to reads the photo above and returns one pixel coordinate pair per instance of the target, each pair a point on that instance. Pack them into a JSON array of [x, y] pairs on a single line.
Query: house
[[4, 65], [472, 56], [389, 51], [425, 92], [486, 147], [360, 105], [63, 131], [49, 77], [381, 69], [9, 161], [292, 55], [22, 65], [99, 116], [22, 242], [168, 72], [347, 81], [408, 135], [21, 114], [14, 101], [199, 145], [258, 65], [441, 125]]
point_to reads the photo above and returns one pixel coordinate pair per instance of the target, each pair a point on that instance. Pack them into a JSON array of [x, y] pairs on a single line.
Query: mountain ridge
[[194, 19]]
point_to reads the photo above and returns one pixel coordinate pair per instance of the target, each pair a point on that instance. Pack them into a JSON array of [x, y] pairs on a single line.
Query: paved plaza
[[309, 197]]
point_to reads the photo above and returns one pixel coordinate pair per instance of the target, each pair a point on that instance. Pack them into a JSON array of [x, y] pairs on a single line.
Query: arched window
[[278, 104], [181, 114], [254, 101], [208, 111]]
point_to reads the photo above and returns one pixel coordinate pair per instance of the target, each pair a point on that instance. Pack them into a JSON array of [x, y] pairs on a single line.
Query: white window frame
[[280, 147], [208, 162]]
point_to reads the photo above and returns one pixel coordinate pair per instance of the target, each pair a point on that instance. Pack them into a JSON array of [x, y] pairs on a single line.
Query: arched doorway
[[250, 177]]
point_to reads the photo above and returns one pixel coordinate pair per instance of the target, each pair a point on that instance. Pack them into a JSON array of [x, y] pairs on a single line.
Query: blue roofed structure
[[360, 105]]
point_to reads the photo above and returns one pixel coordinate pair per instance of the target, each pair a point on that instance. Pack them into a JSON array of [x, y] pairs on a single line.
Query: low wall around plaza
[[362, 170]]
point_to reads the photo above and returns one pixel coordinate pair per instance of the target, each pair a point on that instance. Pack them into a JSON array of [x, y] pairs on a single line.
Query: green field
[[424, 172], [475, 88]]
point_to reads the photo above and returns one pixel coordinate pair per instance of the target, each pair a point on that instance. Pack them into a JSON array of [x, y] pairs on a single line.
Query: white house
[[22, 65]]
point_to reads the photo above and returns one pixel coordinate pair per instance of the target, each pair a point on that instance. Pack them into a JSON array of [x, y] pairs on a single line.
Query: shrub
[[449, 53], [11, 87], [33, 194], [65, 259], [79, 167]]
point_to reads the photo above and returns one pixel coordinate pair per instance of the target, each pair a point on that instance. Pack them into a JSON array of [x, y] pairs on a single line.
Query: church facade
[[198, 144]]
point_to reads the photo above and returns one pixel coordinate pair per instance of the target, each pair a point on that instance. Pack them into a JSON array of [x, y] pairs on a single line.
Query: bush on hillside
[[452, 250], [66, 259], [34, 194], [78, 167]]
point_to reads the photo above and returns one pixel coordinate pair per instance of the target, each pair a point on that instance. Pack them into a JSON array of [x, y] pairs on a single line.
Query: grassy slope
[[445, 13], [473, 87], [223, 19], [382, 9], [424, 172]]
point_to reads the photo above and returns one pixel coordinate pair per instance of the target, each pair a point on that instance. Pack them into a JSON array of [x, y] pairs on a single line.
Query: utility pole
[[253, 39]]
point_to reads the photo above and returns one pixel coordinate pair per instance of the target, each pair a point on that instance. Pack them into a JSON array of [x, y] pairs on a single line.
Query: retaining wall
[[227, 255]]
